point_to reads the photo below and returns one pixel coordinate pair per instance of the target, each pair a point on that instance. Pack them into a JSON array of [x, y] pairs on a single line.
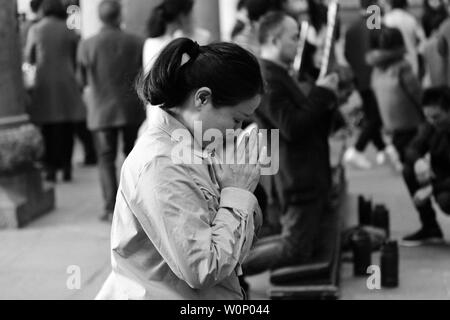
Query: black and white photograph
[[231, 155]]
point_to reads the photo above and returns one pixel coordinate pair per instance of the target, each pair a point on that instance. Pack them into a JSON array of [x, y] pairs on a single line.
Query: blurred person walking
[[357, 45], [56, 97], [109, 63], [397, 89], [397, 16]]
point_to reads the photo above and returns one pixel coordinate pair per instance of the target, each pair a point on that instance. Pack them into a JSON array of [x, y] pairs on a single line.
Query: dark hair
[[269, 23], [439, 96], [388, 39], [258, 8], [109, 11], [318, 14], [231, 72], [432, 18], [53, 8], [399, 4], [168, 11], [35, 5]]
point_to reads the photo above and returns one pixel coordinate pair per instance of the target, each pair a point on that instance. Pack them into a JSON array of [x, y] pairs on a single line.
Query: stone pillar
[[22, 194]]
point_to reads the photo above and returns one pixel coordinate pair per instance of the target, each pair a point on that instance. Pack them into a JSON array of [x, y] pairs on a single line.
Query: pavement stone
[[34, 260]]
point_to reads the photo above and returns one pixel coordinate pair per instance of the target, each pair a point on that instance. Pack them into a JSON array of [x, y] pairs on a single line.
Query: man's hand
[[330, 82], [423, 171], [423, 195]]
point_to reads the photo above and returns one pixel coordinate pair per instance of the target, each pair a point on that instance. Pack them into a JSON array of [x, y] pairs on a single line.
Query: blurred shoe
[[423, 237], [394, 158], [381, 158], [357, 159]]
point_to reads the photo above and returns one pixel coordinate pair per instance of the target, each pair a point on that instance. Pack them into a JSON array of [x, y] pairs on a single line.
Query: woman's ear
[[202, 97]]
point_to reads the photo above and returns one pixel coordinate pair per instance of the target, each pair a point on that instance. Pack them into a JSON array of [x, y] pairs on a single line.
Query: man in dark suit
[[303, 181], [109, 63]]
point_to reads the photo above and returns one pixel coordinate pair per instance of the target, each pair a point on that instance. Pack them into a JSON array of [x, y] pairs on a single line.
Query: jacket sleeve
[[202, 245], [292, 113], [419, 146], [30, 46]]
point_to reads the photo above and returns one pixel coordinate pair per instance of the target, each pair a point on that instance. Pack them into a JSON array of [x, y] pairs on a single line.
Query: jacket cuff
[[239, 199]]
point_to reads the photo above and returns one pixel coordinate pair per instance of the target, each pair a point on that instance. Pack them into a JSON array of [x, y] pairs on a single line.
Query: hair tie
[[191, 54]]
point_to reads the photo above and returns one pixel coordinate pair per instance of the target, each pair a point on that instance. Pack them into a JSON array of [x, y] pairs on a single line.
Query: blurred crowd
[[85, 89]]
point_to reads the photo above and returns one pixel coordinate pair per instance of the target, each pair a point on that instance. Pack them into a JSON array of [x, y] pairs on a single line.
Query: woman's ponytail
[[231, 73], [163, 85]]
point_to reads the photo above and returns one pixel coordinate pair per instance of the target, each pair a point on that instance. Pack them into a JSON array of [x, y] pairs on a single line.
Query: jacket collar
[[161, 119]]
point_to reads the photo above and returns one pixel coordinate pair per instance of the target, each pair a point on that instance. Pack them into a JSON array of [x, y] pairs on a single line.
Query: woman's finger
[[263, 158], [253, 147], [240, 156]]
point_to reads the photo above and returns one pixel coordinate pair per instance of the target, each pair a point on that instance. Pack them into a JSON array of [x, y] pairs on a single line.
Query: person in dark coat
[[430, 178], [357, 44], [109, 64], [56, 97], [303, 181]]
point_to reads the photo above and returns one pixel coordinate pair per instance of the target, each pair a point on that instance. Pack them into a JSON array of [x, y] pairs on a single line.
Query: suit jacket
[[56, 96], [304, 124], [109, 64]]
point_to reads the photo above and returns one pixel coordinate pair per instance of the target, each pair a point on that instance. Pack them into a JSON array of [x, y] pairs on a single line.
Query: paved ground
[[424, 272], [34, 260]]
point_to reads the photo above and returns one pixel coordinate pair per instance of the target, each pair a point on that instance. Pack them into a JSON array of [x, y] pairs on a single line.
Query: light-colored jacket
[[397, 89], [175, 234]]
